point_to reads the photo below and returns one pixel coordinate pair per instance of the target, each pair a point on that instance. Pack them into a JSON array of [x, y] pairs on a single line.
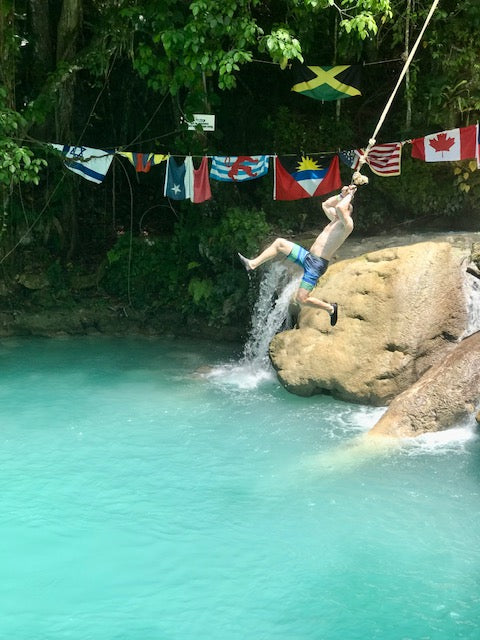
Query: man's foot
[[334, 314], [245, 262]]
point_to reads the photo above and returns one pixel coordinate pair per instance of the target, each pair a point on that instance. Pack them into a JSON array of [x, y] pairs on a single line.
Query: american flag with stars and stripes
[[383, 159]]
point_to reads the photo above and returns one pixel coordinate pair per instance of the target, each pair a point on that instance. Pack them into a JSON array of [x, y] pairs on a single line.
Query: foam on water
[[243, 375], [451, 441], [270, 315]]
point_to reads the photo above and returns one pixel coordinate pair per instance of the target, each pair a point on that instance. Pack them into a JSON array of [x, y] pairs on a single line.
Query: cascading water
[[270, 315], [472, 290]]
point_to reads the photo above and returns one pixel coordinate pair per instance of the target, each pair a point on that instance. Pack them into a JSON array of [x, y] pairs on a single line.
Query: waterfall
[[472, 290], [270, 315]]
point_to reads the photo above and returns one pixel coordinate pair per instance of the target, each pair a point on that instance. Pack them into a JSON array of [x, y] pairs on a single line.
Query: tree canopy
[[128, 74]]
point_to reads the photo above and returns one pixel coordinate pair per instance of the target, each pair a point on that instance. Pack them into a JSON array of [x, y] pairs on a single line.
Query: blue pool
[[156, 489]]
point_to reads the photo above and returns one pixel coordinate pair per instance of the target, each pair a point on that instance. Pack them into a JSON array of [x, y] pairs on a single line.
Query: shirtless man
[[338, 210]]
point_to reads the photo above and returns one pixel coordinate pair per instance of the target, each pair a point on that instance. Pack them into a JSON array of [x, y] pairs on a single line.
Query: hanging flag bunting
[[447, 146], [350, 158], [143, 162], [383, 159], [201, 183], [305, 177], [178, 180], [184, 182], [327, 83], [238, 168], [91, 164]]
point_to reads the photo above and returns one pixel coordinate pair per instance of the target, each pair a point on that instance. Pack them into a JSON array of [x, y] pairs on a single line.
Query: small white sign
[[205, 120]]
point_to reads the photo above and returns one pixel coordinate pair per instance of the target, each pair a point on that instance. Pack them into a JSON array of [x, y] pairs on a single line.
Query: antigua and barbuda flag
[[238, 168], [91, 164], [143, 162], [305, 177], [327, 83], [447, 146], [184, 182]]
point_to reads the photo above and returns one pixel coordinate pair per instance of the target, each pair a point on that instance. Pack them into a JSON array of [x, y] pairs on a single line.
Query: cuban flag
[[238, 168], [91, 164], [305, 177]]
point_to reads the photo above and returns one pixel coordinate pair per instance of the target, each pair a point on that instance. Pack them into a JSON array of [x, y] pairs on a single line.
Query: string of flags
[[295, 177]]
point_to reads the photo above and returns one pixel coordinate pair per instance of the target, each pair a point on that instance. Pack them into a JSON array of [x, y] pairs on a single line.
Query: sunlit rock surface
[[447, 394], [401, 310]]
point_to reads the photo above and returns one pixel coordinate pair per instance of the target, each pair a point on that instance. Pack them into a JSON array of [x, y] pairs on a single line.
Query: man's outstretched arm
[[329, 205]]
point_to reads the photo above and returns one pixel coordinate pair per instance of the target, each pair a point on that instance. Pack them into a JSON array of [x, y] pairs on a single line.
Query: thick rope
[[357, 177]]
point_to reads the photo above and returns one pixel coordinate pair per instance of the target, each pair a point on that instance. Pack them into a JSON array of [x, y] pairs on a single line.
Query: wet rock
[[401, 309], [445, 395]]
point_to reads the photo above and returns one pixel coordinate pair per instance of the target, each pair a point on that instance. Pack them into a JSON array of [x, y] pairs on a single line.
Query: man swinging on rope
[[338, 210]]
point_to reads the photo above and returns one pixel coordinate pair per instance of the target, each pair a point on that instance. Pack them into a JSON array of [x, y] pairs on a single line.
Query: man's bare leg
[[303, 297], [279, 246]]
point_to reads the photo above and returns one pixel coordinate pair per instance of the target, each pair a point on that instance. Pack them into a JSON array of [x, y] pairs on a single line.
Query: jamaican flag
[[327, 83]]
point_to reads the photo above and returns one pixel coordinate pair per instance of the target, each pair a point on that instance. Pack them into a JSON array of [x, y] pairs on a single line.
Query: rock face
[[401, 310], [425, 406]]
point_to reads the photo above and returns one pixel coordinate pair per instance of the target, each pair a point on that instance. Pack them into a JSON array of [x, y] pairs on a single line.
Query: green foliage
[[138, 272], [425, 195], [176, 44], [57, 276], [281, 46], [17, 162], [449, 81], [365, 16], [196, 272], [203, 54]]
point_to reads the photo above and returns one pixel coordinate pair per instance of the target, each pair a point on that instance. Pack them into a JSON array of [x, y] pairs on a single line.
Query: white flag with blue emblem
[[92, 164]]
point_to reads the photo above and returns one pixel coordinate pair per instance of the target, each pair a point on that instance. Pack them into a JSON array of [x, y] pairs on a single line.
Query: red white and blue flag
[[383, 159], [184, 182], [299, 177]]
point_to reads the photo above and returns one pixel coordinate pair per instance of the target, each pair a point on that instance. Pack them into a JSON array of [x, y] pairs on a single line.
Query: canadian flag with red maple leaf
[[447, 146]]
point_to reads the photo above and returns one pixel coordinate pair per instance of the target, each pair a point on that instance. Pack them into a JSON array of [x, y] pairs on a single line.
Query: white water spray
[[472, 290], [270, 315]]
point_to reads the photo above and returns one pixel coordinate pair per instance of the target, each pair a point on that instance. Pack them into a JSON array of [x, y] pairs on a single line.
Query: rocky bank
[[403, 313]]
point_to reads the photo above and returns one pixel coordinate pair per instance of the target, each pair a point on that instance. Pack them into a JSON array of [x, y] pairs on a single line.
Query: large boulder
[[401, 309], [446, 394]]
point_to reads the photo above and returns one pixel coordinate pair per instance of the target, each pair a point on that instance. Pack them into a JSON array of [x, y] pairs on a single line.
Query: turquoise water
[[146, 497]]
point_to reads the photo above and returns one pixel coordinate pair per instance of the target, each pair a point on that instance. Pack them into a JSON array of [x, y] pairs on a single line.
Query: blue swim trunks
[[313, 267]]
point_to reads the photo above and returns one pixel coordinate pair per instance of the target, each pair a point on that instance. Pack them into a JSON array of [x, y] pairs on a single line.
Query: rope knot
[[358, 179]]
